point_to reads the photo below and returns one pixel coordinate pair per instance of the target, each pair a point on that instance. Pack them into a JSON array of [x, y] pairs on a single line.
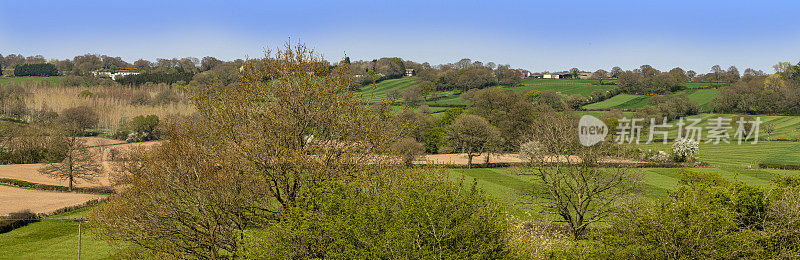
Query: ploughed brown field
[[37, 201], [14, 199]]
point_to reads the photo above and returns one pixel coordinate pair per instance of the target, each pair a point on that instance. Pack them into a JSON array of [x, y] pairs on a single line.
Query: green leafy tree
[[473, 135], [420, 215]]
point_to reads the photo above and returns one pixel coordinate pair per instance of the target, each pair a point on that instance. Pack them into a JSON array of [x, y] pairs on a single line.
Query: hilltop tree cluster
[[647, 80], [39, 69], [758, 93]]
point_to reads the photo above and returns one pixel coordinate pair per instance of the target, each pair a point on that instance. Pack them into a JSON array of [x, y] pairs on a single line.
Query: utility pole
[[80, 221]]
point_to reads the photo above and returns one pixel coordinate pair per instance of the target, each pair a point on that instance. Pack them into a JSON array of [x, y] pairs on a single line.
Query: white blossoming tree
[[685, 150]]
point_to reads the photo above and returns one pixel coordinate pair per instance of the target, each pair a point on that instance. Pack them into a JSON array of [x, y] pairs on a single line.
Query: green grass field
[[583, 87], [377, 92], [785, 126], [58, 238], [703, 97], [621, 101], [54, 239], [734, 162], [52, 80]]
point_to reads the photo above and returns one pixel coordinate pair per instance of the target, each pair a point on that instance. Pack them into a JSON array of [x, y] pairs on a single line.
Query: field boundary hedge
[[23, 218], [779, 166], [47, 187], [603, 165]]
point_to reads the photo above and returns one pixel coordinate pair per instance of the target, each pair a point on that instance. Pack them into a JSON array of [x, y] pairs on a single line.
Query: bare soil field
[[17, 199], [29, 172], [461, 159]]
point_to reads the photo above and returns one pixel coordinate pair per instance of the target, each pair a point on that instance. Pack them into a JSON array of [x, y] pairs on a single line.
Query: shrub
[[155, 77], [779, 166], [417, 217], [39, 186], [532, 95], [138, 129], [16, 220], [85, 93], [685, 150], [660, 156]]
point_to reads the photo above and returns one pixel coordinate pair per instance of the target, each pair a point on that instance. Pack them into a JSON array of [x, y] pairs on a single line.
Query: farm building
[[410, 73], [114, 75]]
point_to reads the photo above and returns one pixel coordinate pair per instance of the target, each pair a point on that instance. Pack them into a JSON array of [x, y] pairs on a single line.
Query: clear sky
[[536, 35]]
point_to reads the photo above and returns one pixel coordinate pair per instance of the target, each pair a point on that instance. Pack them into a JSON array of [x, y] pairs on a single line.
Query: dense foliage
[[40, 69], [403, 215], [139, 129], [708, 217], [647, 80]]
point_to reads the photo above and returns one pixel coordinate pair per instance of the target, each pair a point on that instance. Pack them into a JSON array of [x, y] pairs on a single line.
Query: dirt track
[[17, 199]]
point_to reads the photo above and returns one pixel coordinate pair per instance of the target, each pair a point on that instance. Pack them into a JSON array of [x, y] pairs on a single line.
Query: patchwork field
[[583, 87], [379, 91], [703, 97], [734, 162], [786, 127]]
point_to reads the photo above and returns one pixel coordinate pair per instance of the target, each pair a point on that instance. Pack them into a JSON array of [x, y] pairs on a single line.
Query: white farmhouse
[[114, 76]]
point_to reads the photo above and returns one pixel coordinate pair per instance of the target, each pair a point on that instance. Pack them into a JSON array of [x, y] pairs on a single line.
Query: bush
[[25, 144], [684, 150], [779, 166], [155, 77], [139, 129], [660, 156], [17, 220], [85, 93], [418, 217]]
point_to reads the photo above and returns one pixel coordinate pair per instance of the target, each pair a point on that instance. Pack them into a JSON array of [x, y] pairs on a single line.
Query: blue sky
[[536, 35]]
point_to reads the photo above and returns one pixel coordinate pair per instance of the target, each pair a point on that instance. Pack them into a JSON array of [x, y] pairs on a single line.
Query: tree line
[[86, 64], [758, 93], [39, 69]]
